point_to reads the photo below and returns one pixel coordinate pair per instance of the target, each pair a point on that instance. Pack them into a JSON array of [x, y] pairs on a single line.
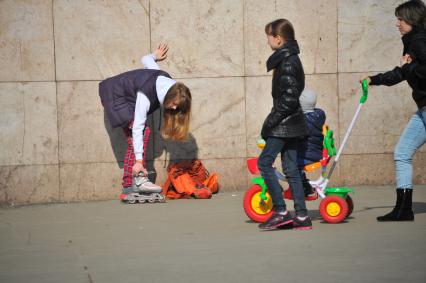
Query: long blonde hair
[[176, 121]]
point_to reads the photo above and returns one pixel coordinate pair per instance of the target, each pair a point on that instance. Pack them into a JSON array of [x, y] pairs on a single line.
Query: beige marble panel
[[26, 41], [232, 173], [381, 120], [367, 37], [315, 29], [378, 169], [217, 123], [419, 165], [28, 123], [259, 103], [90, 181], [205, 37], [98, 39], [363, 169], [84, 131], [29, 184]]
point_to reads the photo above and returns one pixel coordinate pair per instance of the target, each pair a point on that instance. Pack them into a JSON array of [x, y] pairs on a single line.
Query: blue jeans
[[288, 149], [412, 138]]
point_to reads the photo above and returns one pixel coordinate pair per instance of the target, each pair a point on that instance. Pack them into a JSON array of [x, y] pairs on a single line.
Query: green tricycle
[[336, 204]]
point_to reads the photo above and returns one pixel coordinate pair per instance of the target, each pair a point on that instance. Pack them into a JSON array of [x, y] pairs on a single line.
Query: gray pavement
[[208, 241]]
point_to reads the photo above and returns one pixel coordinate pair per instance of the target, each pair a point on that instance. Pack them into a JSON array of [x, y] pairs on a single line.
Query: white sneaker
[[143, 185]]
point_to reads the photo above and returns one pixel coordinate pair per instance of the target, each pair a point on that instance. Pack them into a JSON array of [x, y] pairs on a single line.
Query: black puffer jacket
[[286, 119], [414, 73]]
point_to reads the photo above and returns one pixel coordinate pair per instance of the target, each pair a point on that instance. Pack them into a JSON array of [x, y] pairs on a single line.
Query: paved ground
[[208, 241]]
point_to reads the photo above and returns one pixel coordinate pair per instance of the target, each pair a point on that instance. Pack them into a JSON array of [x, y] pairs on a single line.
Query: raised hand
[[138, 167], [161, 52], [365, 78]]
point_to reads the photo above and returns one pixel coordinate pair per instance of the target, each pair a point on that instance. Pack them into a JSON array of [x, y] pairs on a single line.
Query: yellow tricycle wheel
[[333, 209], [257, 209]]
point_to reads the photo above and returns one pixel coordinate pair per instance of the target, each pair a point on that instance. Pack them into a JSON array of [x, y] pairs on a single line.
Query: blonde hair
[[176, 121]]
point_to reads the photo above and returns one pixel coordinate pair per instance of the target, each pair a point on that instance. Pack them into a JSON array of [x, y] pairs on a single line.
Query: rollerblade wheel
[[142, 201], [151, 200], [132, 201]]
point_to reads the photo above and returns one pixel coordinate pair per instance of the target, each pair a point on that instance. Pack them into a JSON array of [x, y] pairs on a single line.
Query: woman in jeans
[[411, 22]]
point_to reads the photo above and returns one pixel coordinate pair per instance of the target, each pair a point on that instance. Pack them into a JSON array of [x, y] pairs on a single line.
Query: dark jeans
[[288, 149]]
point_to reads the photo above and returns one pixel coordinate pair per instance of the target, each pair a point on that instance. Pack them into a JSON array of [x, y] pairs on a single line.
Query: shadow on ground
[[418, 207]]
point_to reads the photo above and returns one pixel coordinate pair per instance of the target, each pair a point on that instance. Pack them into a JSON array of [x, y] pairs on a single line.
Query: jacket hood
[[317, 117], [289, 48]]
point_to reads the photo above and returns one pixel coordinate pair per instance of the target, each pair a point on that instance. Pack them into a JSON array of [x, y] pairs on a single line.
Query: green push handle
[[364, 92]]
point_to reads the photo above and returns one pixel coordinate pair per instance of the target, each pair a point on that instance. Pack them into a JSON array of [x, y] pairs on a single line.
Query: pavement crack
[[88, 274]]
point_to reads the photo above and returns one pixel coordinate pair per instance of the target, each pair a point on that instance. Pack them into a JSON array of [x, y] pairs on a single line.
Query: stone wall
[[56, 144]]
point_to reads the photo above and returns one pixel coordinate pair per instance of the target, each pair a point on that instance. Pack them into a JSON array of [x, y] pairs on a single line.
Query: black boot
[[403, 208], [406, 211]]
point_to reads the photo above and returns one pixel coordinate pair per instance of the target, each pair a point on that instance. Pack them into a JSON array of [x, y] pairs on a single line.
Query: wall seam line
[[56, 94]]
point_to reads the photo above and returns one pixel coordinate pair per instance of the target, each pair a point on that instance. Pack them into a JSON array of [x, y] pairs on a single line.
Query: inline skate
[[144, 191]]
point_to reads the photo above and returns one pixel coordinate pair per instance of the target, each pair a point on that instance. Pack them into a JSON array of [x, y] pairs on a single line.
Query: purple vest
[[118, 94]]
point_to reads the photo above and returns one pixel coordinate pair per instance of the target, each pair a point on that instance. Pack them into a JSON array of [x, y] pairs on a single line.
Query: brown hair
[[413, 13], [281, 27], [176, 121]]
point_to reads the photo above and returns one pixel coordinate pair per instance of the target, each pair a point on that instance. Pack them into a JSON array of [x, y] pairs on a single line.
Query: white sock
[[283, 212], [302, 218]]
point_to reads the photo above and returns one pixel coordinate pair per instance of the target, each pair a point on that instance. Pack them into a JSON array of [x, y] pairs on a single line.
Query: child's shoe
[[302, 223], [307, 188], [277, 220]]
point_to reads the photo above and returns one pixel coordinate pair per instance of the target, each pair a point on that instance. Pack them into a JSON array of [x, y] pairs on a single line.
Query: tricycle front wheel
[[255, 207]]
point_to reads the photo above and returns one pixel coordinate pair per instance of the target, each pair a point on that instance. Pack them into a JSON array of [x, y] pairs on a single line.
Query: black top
[[118, 94], [286, 119], [414, 73]]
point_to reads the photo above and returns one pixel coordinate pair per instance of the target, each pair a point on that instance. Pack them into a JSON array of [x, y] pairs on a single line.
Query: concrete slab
[[208, 241]]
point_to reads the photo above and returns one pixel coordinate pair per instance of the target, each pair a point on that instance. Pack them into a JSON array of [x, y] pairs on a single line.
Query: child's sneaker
[[302, 223], [307, 188], [276, 220]]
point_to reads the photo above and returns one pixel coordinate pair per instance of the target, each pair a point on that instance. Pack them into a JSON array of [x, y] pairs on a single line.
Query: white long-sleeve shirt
[[162, 85]]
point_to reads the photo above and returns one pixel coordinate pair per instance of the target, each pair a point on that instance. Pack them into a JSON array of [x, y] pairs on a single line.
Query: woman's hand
[[138, 167], [365, 78], [161, 52], [406, 59]]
